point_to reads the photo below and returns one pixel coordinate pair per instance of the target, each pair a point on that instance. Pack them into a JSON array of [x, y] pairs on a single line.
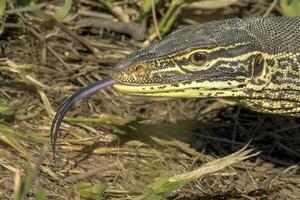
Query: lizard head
[[211, 59]]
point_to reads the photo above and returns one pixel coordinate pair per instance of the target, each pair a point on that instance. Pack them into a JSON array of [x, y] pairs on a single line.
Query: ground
[[118, 143]]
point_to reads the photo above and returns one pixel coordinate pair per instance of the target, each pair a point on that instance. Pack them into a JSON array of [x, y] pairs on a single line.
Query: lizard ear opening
[[258, 65]]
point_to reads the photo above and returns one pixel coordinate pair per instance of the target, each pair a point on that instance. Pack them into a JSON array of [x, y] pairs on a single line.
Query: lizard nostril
[[140, 69]]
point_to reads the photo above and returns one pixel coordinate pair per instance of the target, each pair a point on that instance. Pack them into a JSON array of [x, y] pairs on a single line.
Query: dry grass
[[122, 143]]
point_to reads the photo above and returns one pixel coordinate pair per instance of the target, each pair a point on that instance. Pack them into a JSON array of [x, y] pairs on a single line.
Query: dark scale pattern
[[276, 34], [288, 72], [271, 34]]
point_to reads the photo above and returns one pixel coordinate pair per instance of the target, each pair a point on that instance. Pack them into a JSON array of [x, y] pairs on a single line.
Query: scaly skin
[[255, 61]]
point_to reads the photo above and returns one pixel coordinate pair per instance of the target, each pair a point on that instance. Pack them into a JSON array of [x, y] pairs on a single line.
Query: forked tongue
[[80, 94]]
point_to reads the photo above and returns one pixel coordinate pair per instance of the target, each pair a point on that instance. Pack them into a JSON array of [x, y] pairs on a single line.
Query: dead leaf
[[211, 4]]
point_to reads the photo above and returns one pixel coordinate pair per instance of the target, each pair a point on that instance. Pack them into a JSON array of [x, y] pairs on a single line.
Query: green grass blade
[[3, 107], [4, 110], [150, 195], [7, 135], [147, 5], [40, 193], [89, 190], [62, 13], [29, 8], [17, 140], [2, 8], [162, 185], [25, 186], [290, 7]]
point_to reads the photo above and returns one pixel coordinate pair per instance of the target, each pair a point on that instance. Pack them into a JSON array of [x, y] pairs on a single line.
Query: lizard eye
[[198, 58]]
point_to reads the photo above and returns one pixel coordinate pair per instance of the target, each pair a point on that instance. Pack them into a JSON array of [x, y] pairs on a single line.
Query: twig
[[136, 31], [271, 7], [155, 19]]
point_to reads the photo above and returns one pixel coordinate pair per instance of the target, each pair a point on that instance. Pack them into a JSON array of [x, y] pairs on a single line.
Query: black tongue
[[80, 94]]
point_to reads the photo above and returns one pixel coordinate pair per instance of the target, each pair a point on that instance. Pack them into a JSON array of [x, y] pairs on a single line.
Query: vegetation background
[[114, 146]]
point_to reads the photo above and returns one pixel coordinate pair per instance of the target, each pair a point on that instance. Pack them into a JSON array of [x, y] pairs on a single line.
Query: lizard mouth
[[182, 89]]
